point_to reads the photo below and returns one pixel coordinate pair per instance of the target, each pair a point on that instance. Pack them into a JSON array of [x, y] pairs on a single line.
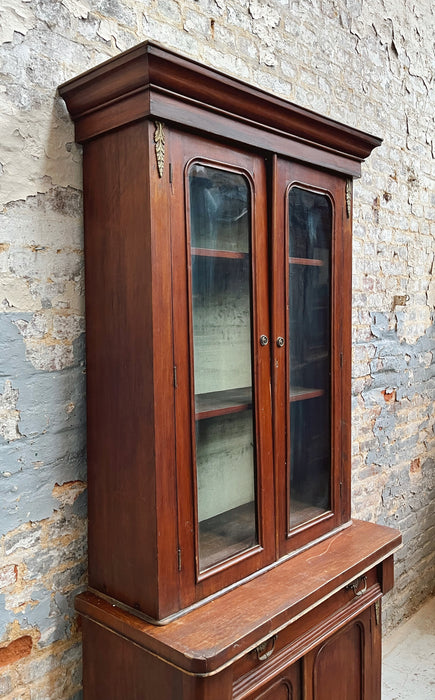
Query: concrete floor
[[408, 671]]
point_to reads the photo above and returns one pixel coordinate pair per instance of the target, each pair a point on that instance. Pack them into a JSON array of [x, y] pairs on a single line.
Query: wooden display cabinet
[[223, 561]]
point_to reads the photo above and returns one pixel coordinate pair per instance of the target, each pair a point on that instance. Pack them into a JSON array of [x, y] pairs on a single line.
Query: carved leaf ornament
[[159, 140]]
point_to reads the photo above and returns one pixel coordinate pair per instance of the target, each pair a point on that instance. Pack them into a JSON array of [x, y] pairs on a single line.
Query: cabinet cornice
[[143, 81]]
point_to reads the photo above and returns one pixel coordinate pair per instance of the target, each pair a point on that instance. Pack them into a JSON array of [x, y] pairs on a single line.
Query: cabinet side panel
[[121, 452], [343, 326], [115, 668], [164, 375]]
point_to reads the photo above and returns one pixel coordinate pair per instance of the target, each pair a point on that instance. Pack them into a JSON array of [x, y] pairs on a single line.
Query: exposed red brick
[[389, 396], [16, 650], [67, 492], [415, 466]]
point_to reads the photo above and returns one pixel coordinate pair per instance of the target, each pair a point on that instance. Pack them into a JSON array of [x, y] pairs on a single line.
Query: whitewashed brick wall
[[370, 65]]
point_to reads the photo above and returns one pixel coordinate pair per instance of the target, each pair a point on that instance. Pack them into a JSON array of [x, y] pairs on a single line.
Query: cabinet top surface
[[215, 633], [151, 75]]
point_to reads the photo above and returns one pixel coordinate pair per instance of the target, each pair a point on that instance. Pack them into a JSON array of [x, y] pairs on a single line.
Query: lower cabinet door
[[344, 665], [347, 664]]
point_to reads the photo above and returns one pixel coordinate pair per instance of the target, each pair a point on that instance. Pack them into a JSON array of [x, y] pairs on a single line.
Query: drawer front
[[270, 661]]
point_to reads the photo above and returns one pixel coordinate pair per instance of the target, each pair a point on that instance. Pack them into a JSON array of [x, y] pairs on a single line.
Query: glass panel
[[310, 231], [219, 210], [221, 319]]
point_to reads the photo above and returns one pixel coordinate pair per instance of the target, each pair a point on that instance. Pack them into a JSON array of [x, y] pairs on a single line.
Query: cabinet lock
[[264, 340], [265, 650], [359, 586]]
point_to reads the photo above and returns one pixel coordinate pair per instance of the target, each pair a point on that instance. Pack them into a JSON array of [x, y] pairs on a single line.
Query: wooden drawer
[[271, 659]]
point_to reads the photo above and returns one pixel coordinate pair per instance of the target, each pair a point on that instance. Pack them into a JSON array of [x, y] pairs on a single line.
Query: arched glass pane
[[220, 229], [310, 235]]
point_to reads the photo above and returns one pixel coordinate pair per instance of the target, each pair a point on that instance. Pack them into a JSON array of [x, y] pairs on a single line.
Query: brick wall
[[367, 64]]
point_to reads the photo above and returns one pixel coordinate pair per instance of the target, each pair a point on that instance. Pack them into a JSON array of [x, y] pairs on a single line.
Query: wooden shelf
[[221, 403], [301, 512], [310, 358], [306, 261], [226, 535], [301, 393], [213, 253]]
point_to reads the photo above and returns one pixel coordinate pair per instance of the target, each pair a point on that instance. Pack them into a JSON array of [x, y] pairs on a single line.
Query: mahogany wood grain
[[139, 319], [211, 635], [342, 357], [129, 376], [339, 664], [151, 67], [348, 663], [143, 530], [305, 633], [373, 665], [386, 574], [239, 132], [183, 149], [293, 653], [116, 669], [115, 281], [289, 173], [167, 493], [285, 685]]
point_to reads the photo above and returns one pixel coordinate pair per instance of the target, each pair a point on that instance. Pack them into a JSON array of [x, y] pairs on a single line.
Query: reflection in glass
[[219, 210], [310, 230], [221, 320]]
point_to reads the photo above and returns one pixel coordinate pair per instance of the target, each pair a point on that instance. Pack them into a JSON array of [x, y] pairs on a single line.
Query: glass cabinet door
[[262, 421], [220, 210], [312, 321], [223, 411]]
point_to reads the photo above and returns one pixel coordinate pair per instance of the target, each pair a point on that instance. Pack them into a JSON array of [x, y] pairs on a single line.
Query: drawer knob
[[265, 650]]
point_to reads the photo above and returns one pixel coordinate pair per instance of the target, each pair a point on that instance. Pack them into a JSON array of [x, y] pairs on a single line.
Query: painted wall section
[[367, 64]]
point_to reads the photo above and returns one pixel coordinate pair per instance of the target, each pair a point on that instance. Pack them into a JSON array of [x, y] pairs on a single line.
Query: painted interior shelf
[[306, 261], [214, 253], [220, 403], [301, 393]]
